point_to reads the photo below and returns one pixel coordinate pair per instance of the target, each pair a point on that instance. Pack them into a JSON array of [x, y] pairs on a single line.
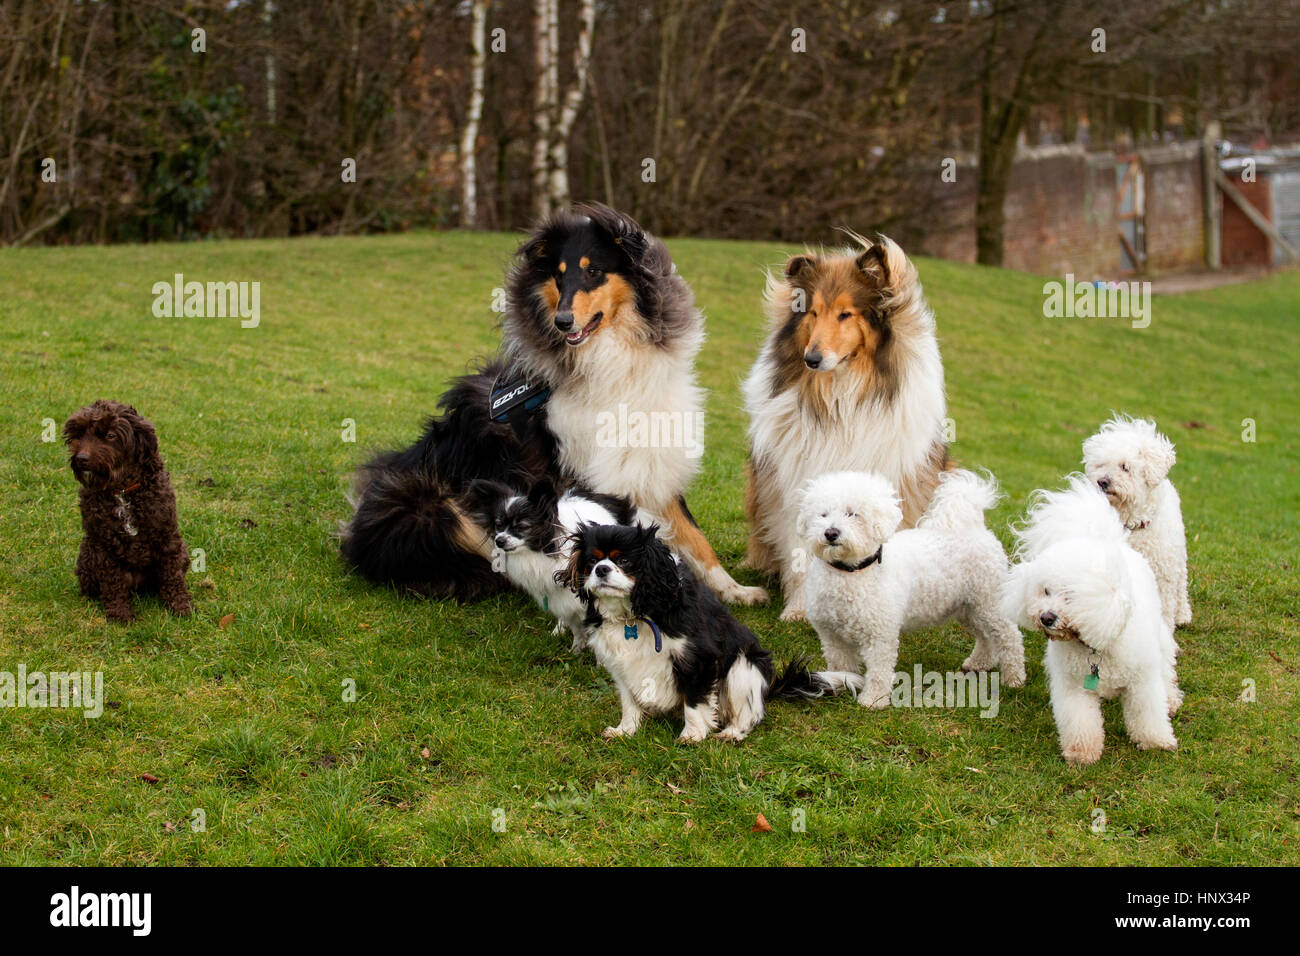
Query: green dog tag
[[1090, 682]]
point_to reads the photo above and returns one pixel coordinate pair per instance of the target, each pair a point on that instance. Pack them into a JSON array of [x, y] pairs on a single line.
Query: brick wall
[[1060, 213]]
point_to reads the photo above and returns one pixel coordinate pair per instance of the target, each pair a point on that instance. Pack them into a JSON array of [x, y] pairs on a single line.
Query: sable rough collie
[[599, 329], [849, 379]]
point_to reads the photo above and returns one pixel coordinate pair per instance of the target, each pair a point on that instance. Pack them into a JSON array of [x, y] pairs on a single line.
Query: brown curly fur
[[125, 488]]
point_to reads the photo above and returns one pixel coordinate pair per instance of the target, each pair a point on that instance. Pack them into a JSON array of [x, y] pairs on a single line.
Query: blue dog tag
[[629, 632]]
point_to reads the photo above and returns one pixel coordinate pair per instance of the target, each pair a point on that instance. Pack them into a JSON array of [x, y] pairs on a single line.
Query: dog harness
[[517, 402], [629, 633], [841, 566]]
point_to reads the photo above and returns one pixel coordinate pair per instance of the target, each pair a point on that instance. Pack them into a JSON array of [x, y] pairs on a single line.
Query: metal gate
[[1130, 211]]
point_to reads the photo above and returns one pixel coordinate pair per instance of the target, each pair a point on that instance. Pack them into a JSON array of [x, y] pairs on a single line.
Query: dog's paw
[[613, 733], [1159, 743], [731, 735], [119, 614], [739, 594], [793, 612], [973, 663], [1083, 753], [1013, 676], [692, 736], [874, 698]]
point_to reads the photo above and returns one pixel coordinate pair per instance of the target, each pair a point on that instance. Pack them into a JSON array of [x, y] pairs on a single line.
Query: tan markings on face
[[584, 262], [837, 328], [563, 266], [550, 295], [608, 299]]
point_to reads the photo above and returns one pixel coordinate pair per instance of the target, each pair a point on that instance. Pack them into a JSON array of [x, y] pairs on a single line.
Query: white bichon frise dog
[[869, 584], [1081, 584], [1129, 461]]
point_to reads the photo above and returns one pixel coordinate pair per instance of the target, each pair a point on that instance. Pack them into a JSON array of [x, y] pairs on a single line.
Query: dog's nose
[[501, 540], [832, 534], [81, 457], [1048, 619], [564, 321], [1103, 484], [812, 359], [602, 570]]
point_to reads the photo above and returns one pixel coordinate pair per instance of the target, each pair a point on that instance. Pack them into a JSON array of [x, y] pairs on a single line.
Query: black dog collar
[[866, 563]]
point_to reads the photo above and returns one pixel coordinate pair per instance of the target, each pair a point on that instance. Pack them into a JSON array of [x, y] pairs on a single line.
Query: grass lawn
[[466, 717]]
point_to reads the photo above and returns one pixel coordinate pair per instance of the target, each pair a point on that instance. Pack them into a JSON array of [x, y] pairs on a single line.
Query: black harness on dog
[[515, 403], [866, 563]]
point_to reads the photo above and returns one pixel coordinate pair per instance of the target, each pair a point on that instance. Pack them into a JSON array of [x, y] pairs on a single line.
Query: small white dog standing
[[1129, 461], [869, 584], [1096, 599]]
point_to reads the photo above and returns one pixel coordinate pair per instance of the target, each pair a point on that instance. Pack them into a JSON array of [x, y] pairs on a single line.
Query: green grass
[[248, 722]]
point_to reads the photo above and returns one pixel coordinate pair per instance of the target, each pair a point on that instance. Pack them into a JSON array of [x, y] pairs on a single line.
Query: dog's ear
[[624, 231], [1013, 599], [882, 518], [76, 425], [658, 589], [144, 440], [571, 575], [542, 494], [797, 266], [1158, 456], [880, 277], [481, 497]]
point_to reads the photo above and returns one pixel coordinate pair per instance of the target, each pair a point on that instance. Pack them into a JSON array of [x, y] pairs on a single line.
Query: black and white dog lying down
[[671, 645]]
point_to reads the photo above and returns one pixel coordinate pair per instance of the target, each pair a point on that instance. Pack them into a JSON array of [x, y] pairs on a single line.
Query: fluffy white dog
[[1129, 461], [869, 584], [1096, 599]]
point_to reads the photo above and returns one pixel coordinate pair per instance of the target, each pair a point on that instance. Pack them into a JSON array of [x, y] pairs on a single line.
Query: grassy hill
[[469, 716]]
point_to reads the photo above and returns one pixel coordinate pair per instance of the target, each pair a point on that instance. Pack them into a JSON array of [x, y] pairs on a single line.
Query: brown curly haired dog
[[128, 511]]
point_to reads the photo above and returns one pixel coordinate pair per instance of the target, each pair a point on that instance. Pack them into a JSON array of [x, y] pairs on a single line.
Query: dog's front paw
[[793, 612], [738, 594], [688, 736], [1013, 676], [731, 735], [874, 697], [974, 663], [119, 613], [1159, 743], [614, 733], [1083, 752]]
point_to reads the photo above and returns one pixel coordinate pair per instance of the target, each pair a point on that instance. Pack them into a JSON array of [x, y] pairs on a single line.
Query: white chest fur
[[636, 667], [631, 421]]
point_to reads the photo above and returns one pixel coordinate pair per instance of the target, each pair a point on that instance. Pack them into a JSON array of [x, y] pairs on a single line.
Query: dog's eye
[[1046, 593], [845, 315], [593, 272], [851, 515], [111, 436], [1123, 466]]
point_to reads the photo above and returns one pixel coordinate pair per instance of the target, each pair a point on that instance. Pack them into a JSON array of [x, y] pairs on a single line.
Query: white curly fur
[[1129, 460], [1096, 599], [950, 566]]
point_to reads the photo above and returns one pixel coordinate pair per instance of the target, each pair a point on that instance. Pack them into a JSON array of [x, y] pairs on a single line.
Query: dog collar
[[841, 566], [133, 486], [1138, 525], [630, 634]]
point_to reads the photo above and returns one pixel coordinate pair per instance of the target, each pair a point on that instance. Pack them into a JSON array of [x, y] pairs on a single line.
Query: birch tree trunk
[[559, 188], [543, 104], [469, 140]]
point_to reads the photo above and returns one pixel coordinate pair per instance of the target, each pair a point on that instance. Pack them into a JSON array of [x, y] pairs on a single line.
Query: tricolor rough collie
[[849, 379], [599, 328]]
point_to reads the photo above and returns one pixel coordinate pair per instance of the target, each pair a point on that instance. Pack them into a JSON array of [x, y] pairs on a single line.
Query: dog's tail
[[960, 500], [410, 532], [1079, 510], [796, 682]]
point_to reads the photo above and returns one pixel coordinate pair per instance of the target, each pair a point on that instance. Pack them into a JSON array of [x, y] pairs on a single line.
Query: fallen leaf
[[225, 621], [1194, 424], [761, 825], [169, 826], [1275, 657], [672, 787], [248, 523], [364, 627], [424, 752], [974, 769], [690, 824], [148, 778]]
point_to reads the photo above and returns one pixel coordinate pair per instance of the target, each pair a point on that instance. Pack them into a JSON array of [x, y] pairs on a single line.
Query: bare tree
[[469, 140]]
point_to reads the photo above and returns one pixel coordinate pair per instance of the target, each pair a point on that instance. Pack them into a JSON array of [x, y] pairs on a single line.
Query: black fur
[[667, 592], [409, 500]]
